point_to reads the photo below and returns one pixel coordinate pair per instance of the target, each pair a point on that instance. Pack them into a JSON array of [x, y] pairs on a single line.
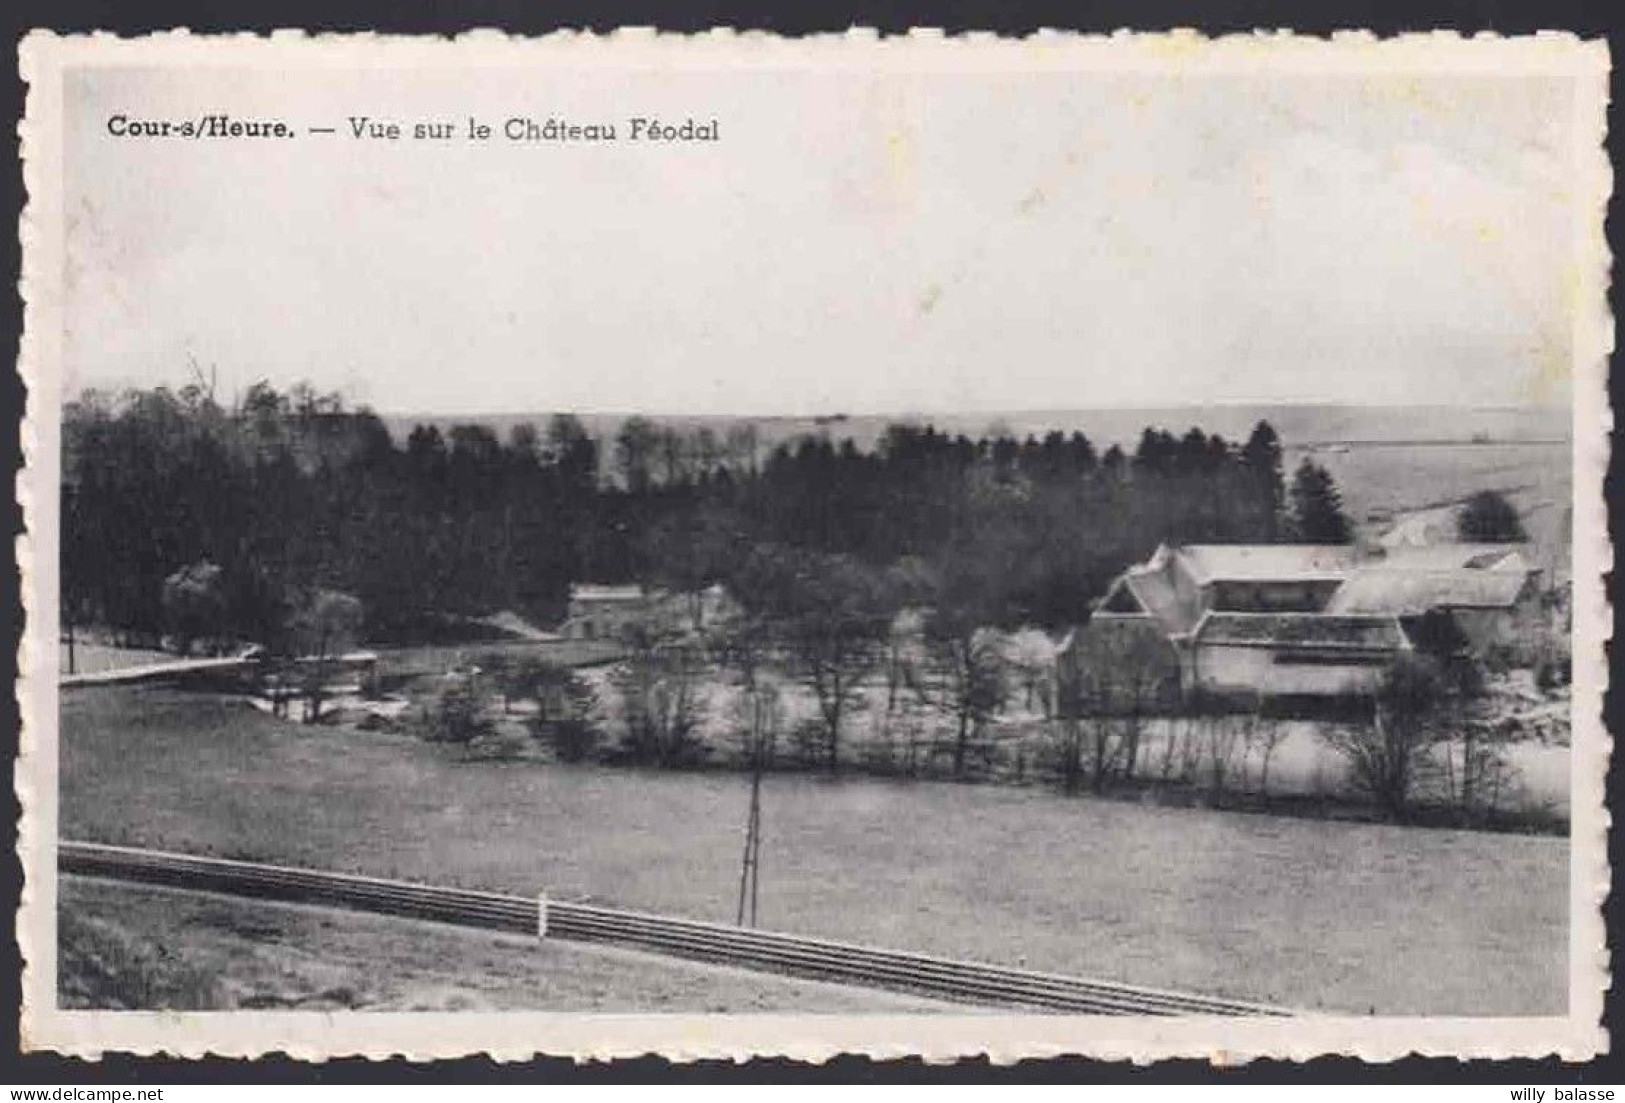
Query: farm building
[[1489, 607], [1313, 620], [609, 612], [1179, 585], [603, 612], [1292, 654]]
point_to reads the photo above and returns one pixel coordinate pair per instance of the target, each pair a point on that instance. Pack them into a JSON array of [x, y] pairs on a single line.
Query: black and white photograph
[[733, 545]]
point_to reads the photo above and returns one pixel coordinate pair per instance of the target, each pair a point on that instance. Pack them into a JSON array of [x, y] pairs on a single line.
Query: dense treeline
[[294, 493]]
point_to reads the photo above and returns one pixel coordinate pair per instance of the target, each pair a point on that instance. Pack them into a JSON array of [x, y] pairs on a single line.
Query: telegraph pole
[[760, 747], [749, 870]]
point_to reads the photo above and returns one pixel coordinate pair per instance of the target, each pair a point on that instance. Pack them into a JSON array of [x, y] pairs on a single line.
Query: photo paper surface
[[730, 546]]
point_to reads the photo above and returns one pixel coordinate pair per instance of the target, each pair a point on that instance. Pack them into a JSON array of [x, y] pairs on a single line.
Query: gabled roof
[[1153, 588], [1290, 631], [1408, 592], [1266, 562], [1157, 593]]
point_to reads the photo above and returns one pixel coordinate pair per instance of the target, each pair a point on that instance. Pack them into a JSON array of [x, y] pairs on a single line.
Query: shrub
[[1499, 658], [575, 739], [809, 739], [194, 604], [566, 720], [457, 714], [659, 691], [1487, 517], [498, 667], [500, 744], [878, 755], [1551, 674]]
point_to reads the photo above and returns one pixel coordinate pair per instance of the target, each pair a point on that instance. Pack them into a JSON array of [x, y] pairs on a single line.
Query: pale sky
[[856, 242]]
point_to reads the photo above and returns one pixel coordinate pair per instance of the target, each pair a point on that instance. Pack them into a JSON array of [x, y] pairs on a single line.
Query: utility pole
[[750, 868], [763, 721], [70, 499]]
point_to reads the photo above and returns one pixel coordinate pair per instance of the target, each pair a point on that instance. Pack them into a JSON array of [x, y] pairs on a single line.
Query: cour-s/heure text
[[202, 126]]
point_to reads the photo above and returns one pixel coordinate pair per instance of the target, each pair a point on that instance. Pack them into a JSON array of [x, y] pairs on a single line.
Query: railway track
[[795, 955]]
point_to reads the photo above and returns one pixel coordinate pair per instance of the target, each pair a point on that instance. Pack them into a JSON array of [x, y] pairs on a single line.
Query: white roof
[[1267, 562], [1382, 590], [588, 591], [1442, 557]]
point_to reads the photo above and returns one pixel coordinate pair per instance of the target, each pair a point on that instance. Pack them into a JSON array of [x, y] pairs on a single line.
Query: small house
[[609, 612], [604, 612]]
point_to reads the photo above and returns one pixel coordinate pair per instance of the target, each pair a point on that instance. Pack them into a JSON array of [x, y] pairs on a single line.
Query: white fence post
[[541, 915]]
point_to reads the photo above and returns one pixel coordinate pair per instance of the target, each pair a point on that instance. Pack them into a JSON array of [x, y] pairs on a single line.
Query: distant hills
[[1300, 426]]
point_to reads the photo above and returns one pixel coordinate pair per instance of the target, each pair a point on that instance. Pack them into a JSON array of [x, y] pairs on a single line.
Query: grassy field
[[127, 946], [1384, 480], [1316, 914]]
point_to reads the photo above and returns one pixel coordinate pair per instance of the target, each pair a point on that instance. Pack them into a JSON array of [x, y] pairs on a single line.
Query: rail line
[[795, 955]]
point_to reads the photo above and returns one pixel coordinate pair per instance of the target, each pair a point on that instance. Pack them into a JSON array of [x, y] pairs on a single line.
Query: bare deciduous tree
[[971, 687], [830, 612], [1271, 733], [1108, 685], [1389, 754]]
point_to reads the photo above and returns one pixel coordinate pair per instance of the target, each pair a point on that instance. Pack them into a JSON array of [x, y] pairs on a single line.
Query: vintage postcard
[[729, 545]]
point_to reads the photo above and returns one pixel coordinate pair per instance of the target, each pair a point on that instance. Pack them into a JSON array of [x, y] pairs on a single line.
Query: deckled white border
[[422, 1036]]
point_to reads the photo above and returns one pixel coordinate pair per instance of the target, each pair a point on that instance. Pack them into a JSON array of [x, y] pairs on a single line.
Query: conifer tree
[[1261, 456], [1317, 508]]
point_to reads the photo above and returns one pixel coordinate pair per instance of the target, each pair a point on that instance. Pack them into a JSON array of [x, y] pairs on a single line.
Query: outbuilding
[[1293, 654]]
